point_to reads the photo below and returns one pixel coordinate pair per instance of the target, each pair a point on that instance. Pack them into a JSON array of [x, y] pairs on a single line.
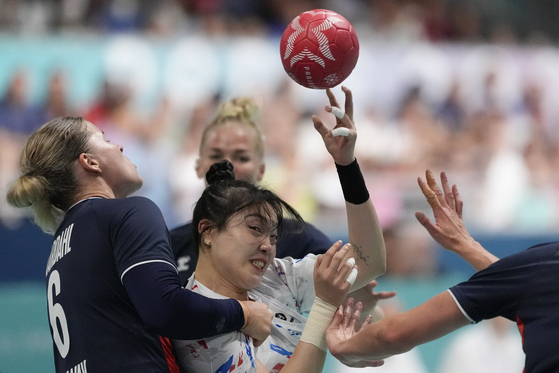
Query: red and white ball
[[319, 49]]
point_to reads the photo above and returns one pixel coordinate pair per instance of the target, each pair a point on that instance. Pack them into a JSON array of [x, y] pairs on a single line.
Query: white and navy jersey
[[288, 289], [94, 325], [524, 288]]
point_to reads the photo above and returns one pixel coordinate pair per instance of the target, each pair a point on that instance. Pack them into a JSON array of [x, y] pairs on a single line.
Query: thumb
[[423, 219]]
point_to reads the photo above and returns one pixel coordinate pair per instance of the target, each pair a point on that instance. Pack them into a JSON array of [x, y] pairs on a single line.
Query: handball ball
[[319, 49]]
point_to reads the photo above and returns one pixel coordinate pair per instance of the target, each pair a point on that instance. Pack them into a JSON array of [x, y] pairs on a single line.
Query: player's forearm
[[365, 233], [401, 332], [306, 358], [174, 312]]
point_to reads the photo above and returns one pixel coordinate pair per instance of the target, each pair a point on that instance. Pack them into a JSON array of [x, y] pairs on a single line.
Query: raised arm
[[449, 230], [364, 230]]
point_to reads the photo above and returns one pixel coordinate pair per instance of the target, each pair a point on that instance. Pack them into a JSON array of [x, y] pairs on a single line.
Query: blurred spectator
[[16, 113], [410, 251], [56, 105], [18, 119]]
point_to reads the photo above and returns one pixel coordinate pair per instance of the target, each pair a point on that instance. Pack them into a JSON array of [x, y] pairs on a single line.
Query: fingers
[[434, 187], [429, 194], [332, 98], [385, 294], [340, 131], [356, 316], [348, 102], [319, 126], [458, 203], [348, 313], [425, 222], [337, 112], [448, 195], [327, 257], [365, 322], [352, 276], [338, 318]]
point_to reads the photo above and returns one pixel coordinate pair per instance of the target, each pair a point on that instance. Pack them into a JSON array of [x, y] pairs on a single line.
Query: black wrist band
[[353, 185]]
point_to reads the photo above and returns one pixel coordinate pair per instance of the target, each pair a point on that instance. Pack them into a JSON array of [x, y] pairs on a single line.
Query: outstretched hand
[[340, 147], [343, 327], [449, 229]]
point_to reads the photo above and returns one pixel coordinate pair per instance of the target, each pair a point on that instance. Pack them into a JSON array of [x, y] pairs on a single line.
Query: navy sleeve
[[298, 244], [139, 234], [175, 312], [498, 289]]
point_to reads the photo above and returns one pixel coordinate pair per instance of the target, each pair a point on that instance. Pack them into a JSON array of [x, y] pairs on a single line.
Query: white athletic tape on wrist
[[321, 315], [338, 113], [341, 131]]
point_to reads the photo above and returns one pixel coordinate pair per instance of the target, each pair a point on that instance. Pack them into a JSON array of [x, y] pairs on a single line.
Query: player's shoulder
[[122, 206]]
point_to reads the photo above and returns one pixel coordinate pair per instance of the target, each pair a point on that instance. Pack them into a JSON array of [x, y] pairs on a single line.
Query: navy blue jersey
[[523, 287], [293, 244], [95, 320]]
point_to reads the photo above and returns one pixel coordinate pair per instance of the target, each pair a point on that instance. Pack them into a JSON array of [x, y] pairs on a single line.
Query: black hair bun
[[219, 172]]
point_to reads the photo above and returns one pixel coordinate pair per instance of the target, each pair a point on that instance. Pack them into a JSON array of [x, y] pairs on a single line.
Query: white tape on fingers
[[338, 113], [352, 276], [341, 131], [351, 261]]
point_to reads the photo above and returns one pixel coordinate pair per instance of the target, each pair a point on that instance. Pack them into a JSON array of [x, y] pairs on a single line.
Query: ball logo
[[319, 49], [323, 47]]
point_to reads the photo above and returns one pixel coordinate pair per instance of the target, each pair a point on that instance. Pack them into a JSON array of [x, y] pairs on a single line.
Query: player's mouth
[[258, 264]]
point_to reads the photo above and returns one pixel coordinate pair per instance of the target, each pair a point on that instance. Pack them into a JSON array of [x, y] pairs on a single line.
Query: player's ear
[[206, 232], [89, 163], [199, 170], [261, 171]]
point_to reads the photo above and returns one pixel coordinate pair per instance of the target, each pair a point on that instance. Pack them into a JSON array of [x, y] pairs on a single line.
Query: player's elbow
[[158, 323], [379, 267]]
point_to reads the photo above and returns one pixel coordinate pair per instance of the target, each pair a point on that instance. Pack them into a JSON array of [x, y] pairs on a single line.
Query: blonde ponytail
[[47, 184]]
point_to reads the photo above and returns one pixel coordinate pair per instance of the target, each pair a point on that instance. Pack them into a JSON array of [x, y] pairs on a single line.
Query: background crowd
[[465, 87]]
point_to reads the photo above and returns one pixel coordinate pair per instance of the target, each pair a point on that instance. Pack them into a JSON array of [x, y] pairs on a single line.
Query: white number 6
[[57, 312]]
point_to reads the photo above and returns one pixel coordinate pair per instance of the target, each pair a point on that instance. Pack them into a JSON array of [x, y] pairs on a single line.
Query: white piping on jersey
[[145, 262], [81, 200], [460, 307]]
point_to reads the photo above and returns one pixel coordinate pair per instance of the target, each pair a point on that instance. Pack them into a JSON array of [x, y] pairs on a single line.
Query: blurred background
[[470, 87]]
